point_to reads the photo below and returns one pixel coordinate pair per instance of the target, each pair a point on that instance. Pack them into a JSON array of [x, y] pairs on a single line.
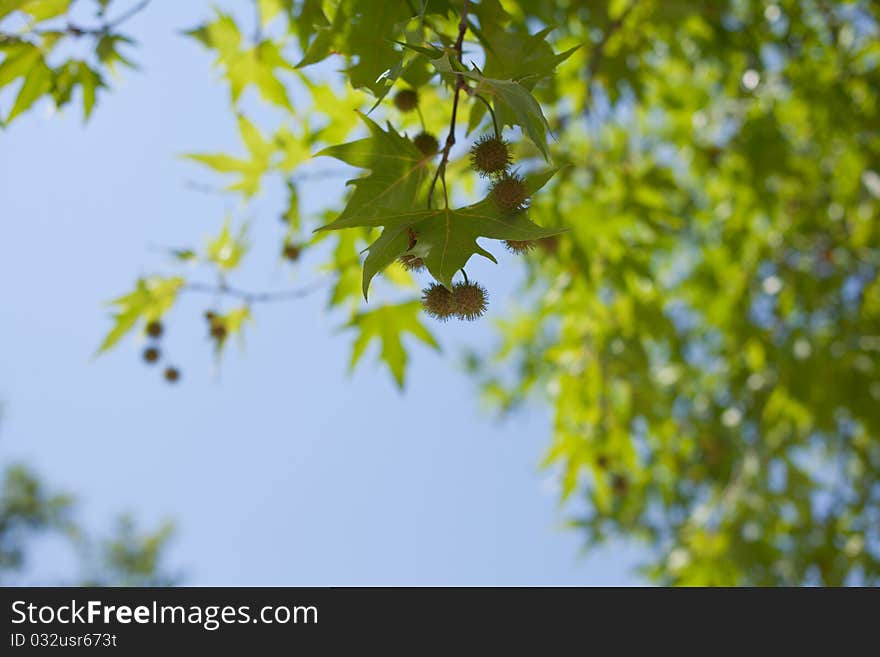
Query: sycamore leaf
[[151, 298], [37, 82], [20, 57], [387, 324], [233, 325], [244, 66], [397, 173], [251, 170], [446, 238], [514, 103], [526, 59], [227, 249], [390, 245], [39, 10], [90, 81]]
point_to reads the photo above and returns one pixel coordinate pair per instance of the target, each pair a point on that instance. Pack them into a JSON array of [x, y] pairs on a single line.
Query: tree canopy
[[692, 188]]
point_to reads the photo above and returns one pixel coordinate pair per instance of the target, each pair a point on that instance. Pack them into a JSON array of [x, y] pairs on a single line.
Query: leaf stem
[[492, 114]]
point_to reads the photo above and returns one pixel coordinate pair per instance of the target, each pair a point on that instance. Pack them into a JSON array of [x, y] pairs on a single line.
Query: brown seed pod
[[154, 329], [509, 193], [426, 143], [412, 263], [490, 156], [218, 330], [151, 355], [469, 300], [210, 315], [437, 301], [519, 247], [406, 100], [291, 252], [620, 484], [602, 462], [171, 374]]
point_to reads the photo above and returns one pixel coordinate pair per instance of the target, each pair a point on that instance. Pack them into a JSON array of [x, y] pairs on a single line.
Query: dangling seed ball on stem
[[151, 355], [469, 300], [406, 100], [172, 374], [437, 301], [519, 247], [155, 329], [427, 144], [490, 156], [291, 251], [510, 193]]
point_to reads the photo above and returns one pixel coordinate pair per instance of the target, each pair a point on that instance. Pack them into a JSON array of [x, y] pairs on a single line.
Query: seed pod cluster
[[154, 330], [466, 301]]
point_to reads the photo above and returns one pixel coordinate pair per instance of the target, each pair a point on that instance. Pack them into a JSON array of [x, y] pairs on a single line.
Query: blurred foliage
[[30, 513], [706, 329]]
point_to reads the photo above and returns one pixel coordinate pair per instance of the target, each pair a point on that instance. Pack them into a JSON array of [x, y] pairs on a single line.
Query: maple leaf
[[397, 173], [446, 238], [387, 324]]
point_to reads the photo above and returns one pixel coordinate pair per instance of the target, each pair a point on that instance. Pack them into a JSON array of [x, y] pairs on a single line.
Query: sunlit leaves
[[227, 249], [244, 65], [151, 298], [387, 324], [250, 171]]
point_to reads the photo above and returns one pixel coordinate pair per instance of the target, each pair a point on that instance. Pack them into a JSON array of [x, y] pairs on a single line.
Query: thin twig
[[459, 85], [254, 297], [79, 31]]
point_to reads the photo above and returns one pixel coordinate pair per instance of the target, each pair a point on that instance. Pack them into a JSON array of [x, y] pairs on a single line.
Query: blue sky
[[279, 469]]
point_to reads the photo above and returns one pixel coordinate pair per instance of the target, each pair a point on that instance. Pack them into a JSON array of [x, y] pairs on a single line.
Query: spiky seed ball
[[509, 193], [602, 462], [151, 355], [469, 300], [406, 100], [426, 143], [291, 252], [171, 374], [218, 330], [490, 156], [154, 329], [619, 484], [412, 263], [210, 315], [437, 301], [519, 247]]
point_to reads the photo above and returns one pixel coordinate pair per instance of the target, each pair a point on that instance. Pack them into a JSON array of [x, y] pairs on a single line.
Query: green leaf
[[387, 324], [227, 249], [390, 245], [397, 173], [20, 57], [151, 298], [447, 238], [37, 83], [91, 81], [514, 103], [42, 10]]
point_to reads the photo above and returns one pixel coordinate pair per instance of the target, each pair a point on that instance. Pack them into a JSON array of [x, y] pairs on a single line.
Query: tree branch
[[459, 85], [254, 297]]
